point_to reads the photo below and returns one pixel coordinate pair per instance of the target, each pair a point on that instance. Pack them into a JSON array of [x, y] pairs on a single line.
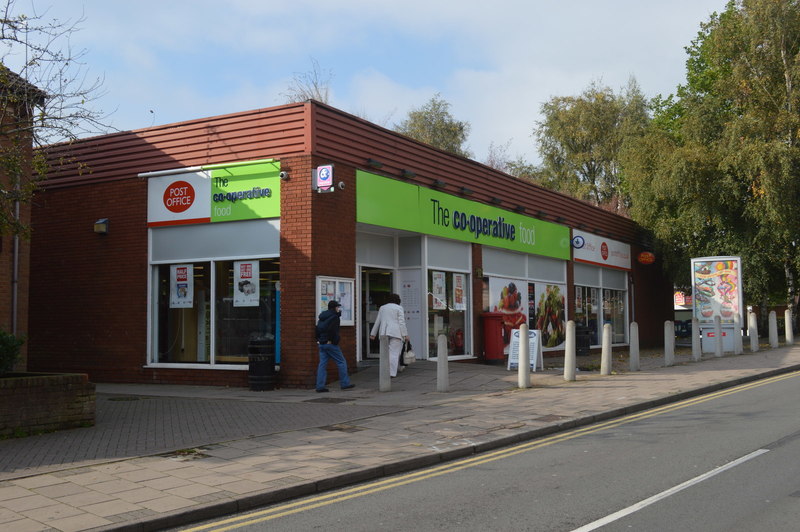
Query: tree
[[718, 171], [311, 85], [433, 124], [580, 138], [46, 97]]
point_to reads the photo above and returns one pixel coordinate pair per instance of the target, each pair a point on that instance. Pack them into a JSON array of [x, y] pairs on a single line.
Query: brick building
[[218, 232]]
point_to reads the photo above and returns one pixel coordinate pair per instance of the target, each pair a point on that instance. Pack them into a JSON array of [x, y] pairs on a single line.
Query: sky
[[495, 62]]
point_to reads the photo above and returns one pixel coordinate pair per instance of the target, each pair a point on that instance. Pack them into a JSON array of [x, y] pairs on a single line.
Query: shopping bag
[[408, 355]]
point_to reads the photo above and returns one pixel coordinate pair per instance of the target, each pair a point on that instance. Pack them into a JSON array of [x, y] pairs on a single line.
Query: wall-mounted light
[[466, 191], [496, 201], [101, 226], [407, 174], [373, 163], [581, 226], [541, 214], [560, 219], [438, 183], [519, 208]]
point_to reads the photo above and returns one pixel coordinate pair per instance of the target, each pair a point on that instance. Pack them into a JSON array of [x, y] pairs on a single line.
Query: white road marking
[[664, 494]]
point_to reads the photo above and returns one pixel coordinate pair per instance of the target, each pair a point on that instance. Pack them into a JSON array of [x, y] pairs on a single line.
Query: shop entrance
[[376, 285]]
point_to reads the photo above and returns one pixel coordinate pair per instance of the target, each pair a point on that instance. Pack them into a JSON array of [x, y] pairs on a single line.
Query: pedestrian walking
[[391, 322], [328, 340]]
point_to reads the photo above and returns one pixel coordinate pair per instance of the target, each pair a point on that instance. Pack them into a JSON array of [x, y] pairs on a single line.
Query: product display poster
[[717, 289], [505, 298], [245, 283], [548, 313], [438, 291], [181, 283], [534, 354], [459, 289]]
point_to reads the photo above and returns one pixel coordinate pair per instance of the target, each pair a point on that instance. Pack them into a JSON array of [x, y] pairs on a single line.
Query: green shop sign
[[391, 203], [245, 191]]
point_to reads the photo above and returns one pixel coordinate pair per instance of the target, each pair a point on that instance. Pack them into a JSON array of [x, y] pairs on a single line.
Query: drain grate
[[333, 400], [340, 427], [550, 417]]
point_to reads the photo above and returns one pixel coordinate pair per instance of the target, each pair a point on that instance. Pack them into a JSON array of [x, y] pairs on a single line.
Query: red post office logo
[[604, 250], [178, 196]]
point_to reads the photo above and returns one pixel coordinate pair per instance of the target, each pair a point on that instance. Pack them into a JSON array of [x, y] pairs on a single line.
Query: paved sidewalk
[[162, 456]]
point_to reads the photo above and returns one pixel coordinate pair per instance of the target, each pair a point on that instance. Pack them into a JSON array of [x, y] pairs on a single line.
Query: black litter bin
[[583, 340], [261, 355]]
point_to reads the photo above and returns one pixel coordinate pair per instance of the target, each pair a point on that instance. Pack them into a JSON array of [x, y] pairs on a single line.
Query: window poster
[[506, 298], [550, 314], [181, 283], [438, 291], [459, 290], [344, 295], [245, 283]]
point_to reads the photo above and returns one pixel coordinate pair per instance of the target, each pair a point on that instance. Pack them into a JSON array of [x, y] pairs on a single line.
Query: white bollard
[[717, 336], [569, 352], [633, 334], [789, 327], [738, 348], [524, 367], [669, 343], [605, 355], [384, 375], [773, 329], [752, 331], [442, 375], [697, 352]]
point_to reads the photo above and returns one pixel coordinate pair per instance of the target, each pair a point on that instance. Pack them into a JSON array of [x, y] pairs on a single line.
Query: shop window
[[586, 306], [245, 307], [184, 292], [614, 313], [244, 302], [447, 311]]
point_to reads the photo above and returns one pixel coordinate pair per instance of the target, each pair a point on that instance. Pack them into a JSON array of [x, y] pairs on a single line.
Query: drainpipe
[[15, 275]]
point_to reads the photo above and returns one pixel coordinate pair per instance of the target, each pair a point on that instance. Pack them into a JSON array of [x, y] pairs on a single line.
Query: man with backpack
[[328, 340]]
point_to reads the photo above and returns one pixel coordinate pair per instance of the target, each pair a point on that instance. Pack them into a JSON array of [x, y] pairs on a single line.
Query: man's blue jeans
[[331, 352]]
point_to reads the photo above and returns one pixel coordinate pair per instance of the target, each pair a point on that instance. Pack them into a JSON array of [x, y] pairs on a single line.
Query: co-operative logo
[[179, 196]]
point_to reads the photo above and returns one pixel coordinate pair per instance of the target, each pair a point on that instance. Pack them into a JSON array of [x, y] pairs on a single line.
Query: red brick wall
[[317, 238]]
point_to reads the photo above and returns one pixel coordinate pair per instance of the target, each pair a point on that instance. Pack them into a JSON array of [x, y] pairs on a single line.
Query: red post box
[[493, 343]]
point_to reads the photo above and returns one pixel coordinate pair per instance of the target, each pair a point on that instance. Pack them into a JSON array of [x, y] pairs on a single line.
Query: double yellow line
[[451, 467]]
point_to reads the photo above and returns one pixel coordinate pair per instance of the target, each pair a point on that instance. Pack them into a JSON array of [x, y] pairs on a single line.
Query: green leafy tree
[[717, 171], [580, 138], [433, 124]]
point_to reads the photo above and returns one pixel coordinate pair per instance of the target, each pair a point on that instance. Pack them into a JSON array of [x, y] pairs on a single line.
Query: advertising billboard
[[717, 289]]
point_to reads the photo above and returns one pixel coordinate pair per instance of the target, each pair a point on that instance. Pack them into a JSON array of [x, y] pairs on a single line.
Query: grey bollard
[[773, 329], [697, 352], [717, 336], [787, 316], [634, 346], [524, 367], [384, 375], [442, 375], [569, 352], [669, 343], [752, 331], [605, 355], [738, 348]]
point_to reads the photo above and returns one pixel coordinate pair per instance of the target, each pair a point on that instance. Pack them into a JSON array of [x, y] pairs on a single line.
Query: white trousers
[[395, 347]]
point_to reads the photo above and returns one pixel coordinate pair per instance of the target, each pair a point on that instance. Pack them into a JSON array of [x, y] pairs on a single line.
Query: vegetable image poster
[[717, 289], [550, 314]]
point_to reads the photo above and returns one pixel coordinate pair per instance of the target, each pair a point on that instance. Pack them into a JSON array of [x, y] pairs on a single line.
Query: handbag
[[408, 355]]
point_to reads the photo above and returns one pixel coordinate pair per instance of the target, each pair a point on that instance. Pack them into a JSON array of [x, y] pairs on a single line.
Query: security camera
[[341, 185], [284, 176]]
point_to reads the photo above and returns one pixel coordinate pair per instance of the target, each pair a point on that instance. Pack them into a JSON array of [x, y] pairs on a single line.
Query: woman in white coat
[[391, 322]]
